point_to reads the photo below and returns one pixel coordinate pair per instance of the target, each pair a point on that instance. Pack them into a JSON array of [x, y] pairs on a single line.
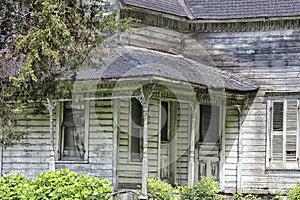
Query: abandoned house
[[200, 88]]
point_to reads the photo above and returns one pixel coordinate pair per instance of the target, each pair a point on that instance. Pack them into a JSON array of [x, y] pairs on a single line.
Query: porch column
[[239, 153], [191, 170], [144, 100], [50, 105]]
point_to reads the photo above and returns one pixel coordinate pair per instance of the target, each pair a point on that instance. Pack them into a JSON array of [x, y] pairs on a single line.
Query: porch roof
[[139, 63]]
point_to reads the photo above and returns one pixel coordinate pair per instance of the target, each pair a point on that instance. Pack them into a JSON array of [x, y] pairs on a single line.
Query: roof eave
[[155, 79], [192, 19]]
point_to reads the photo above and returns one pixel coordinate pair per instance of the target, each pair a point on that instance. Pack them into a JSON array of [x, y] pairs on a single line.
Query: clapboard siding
[[130, 173], [152, 38], [183, 121], [100, 147], [270, 58], [29, 156], [123, 169], [153, 132], [231, 149]]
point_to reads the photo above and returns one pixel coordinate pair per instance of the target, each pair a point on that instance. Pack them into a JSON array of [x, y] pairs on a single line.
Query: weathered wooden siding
[[183, 123], [231, 149], [30, 156], [152, 38], [130, 173], [100, 148], [125, 173], [271, 58], [153, 133]]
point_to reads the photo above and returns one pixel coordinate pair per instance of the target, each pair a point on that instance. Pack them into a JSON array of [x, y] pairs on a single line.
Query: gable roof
[[221, 9], [135, 62]]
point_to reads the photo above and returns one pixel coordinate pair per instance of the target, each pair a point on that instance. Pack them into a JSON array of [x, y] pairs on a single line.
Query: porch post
[[145, 149], [191, 169], [50, 105], [144, 100], [239, 153]]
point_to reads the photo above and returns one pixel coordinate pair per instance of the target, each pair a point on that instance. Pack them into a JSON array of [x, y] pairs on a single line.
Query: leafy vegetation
[[294, 192], [159, 189], [60, 185], [207, 188], [43, 42]]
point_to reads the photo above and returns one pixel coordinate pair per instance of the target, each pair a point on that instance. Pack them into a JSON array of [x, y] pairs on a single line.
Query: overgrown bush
[[158, 189], [294, 192], [60, 185], [15, 187], [207, 188]]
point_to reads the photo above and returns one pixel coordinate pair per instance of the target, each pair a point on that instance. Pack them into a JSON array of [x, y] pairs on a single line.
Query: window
[[209, 123], [72, 132], [136, 142], [283, 133], [164, 120]]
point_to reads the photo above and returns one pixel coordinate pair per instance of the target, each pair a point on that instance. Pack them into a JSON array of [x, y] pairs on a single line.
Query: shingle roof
[[166, 6], [139, 63], [222, 9]]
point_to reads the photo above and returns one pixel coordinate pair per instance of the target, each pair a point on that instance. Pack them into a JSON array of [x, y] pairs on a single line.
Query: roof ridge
[[186, 9]]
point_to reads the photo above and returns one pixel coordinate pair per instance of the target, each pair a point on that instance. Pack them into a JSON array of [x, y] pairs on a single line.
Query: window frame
[[284, 164], [59, 116], [219, 123]]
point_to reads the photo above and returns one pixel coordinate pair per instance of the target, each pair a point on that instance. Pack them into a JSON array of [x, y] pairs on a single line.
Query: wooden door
[[209, 160], [164, 162]]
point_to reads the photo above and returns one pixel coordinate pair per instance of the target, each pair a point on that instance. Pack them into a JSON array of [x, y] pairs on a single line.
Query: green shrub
[[158, 189], [69, 185], [187, 192], [207, 188], [63, 185], [294, 192], [15, 187]]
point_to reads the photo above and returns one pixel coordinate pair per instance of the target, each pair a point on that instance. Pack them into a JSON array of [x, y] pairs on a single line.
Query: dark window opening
[[277, 116], [136, 130], [209, 123], [164, 119]]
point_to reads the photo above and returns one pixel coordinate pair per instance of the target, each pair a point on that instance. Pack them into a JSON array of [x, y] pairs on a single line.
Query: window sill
[[288, 172], [71, 162], [135, 162]]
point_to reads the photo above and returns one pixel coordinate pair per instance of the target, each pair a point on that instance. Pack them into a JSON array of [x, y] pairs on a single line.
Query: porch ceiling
[[139, 63]]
